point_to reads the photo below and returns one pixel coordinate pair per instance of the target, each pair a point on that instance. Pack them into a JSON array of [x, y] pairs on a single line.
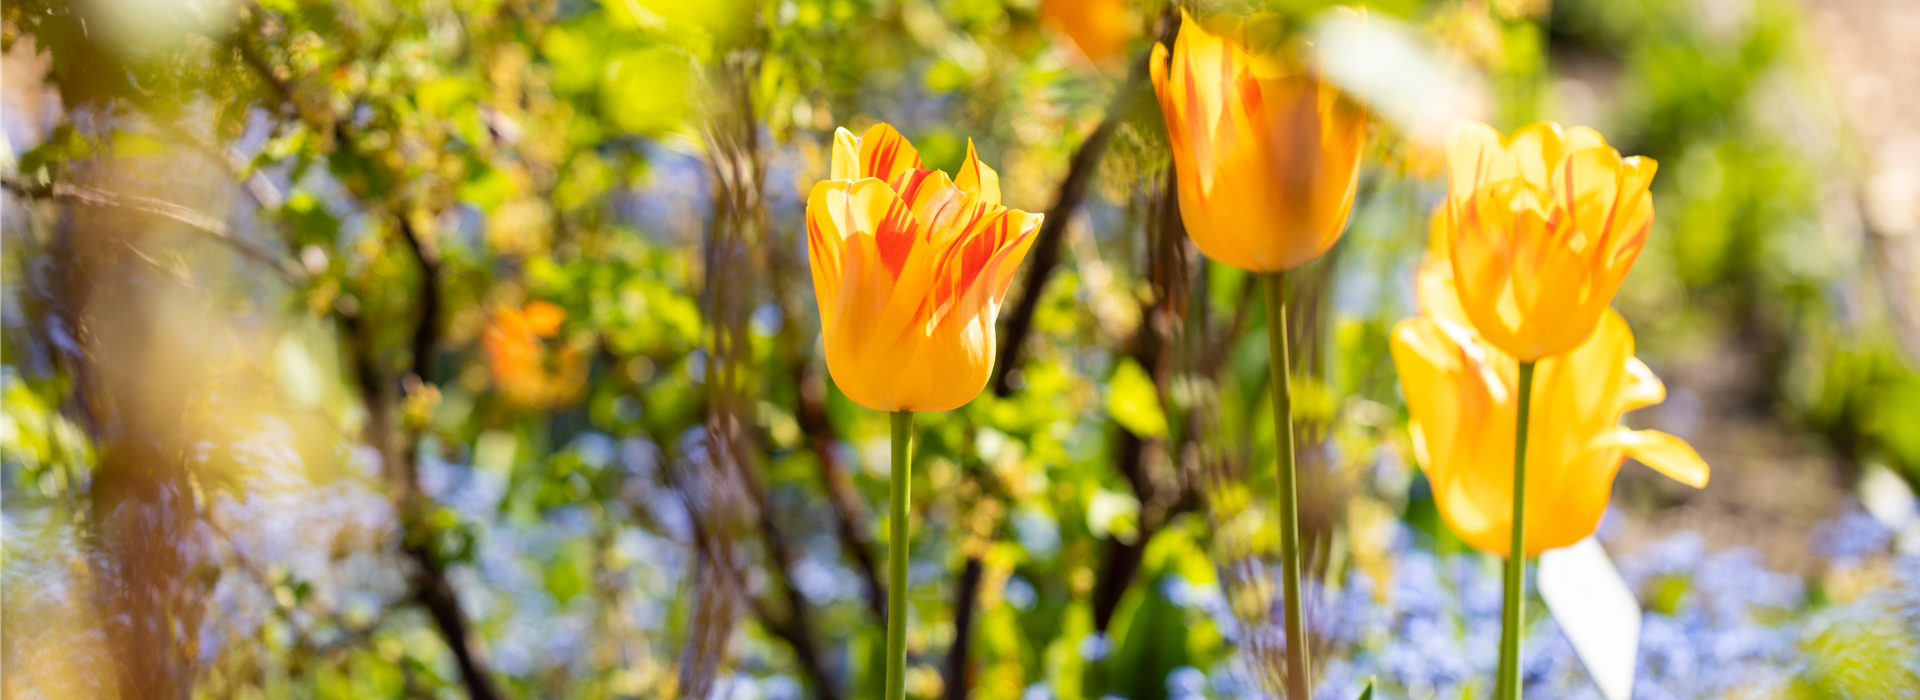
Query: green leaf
[[312, 223], [570, 571], [487, 188], [1367, 694], [128, 144], [1134, 401], [646, 90]]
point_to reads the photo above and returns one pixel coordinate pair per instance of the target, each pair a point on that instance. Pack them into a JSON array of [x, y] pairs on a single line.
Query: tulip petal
[[1642, 388], [1436, 295], [1205, 70], [1581, 138], [1017, 236], [1475, 158], [544, 318], [900, 241], [977, 179], [888, 238], [885, 154], [1631, 218], [825, 232], [1534, 148], [945, 211], [846, 155], [1666, 454]]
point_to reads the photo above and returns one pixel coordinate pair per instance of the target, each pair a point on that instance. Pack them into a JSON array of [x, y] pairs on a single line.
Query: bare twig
[[966, 591], [850, 513], [212, 228], [430, 586], [1046, 244], [1013, 334], [796, 626]]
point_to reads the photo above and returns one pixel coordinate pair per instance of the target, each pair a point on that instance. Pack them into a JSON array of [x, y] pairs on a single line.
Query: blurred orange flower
[[1462, 393], [1546, 224], [1267, 155], [517, 357], [1098, 28], [909, 268]]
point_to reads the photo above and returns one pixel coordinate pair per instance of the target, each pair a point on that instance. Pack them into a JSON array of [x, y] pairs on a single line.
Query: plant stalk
[[1515, 572], [1298, 684], [901, 478]]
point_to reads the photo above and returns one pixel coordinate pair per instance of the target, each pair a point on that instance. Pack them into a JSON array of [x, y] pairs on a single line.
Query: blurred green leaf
[[1134, 401]]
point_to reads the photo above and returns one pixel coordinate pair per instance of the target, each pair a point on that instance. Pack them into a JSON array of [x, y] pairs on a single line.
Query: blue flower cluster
[[1716, 624]]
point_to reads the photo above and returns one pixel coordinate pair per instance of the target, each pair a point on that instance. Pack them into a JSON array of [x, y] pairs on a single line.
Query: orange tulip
[[909, 268], [517, 357], [1098, 28], [1547, 224], [1462, 392], [1267, 155]]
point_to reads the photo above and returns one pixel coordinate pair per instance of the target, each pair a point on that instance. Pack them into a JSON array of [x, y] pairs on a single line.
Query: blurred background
[[467, 348]]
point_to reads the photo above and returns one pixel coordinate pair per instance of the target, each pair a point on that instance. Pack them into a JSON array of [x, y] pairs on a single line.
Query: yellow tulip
[[1098, 28], [1547, 224], [1267, 154], [1462, 393], [909, 268]]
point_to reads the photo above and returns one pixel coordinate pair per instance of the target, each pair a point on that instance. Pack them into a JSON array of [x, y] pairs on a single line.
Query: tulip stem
[[1515, 571], [1298, 684], [901, 478]]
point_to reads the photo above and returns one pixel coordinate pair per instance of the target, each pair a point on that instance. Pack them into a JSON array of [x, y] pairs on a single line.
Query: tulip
[[1461, 392], [909, 268], [516, 355], [1267, 155], [1548, 224], [1543, 227], [1099, 29]]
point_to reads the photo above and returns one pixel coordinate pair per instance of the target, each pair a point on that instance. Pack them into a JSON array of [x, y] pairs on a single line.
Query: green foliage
[[1134, 402]]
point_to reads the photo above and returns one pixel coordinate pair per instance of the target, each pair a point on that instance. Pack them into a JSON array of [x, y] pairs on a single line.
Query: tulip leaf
[[1367, 693], [1134, 401]]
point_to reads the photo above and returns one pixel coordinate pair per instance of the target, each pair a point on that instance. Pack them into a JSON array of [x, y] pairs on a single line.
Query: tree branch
[[1046, 244], [430, 586], [208, 226], [1073, 190], [965, 594], [796, 627]]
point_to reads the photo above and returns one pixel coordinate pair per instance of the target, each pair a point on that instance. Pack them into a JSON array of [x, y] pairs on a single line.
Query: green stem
[[897, 557], [1298, 684], [1515, 571]]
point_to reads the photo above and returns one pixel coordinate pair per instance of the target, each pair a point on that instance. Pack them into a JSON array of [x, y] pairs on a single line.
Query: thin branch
[[430, 586], [208, 226], [1046, 245], [966, 592], [796, 627], [1073, 190], [1045, 261], [850, 512]]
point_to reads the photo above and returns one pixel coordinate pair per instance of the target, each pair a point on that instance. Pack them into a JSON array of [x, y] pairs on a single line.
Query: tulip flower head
[[909, 268], [1099, 29], [1462, 392], [1546, 224], [1267, 155], [524, 368]]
